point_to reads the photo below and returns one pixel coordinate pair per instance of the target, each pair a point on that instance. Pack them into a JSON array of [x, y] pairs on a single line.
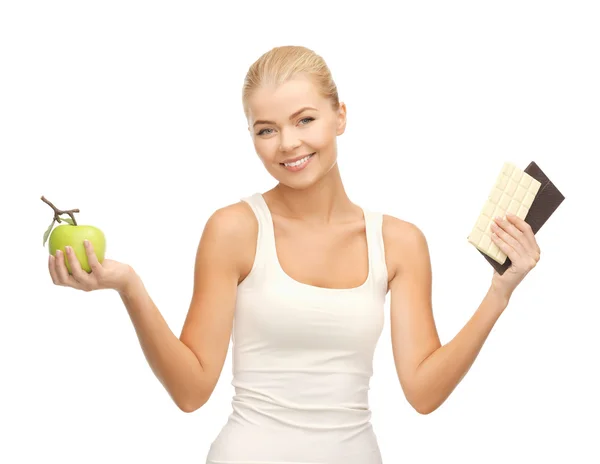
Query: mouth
[[298, 161], [297, 164]]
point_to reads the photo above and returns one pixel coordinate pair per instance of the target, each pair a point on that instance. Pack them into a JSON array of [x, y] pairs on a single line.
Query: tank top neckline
[[272, 244]]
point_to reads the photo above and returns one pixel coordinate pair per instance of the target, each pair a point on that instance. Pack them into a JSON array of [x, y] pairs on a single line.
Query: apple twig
[[58, 212]]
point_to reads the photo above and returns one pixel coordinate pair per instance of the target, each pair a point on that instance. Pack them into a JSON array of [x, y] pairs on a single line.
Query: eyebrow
[[291, 117]]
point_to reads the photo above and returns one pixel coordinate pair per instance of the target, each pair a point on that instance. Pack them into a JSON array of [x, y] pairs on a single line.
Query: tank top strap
[[265, 242], [374, 226]]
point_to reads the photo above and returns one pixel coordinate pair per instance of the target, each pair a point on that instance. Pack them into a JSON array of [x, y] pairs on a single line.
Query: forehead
[[269, 102]]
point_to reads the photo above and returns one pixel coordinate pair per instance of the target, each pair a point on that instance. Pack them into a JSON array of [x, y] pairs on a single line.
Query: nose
[[288, 142]]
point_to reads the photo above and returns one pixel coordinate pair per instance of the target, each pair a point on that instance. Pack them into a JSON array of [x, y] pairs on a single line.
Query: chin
[[300, 184], [304, 182]]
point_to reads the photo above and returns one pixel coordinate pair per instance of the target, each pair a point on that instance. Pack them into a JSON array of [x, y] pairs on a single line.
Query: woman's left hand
[[516, 239]]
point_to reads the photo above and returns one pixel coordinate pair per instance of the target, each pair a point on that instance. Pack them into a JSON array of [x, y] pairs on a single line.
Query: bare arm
[[189, 367], [173, 363], [428, 371]]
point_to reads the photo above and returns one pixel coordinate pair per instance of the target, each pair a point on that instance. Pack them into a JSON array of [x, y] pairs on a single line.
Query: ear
[[341, 119]]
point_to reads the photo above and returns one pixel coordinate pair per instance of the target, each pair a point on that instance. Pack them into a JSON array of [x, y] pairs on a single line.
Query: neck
[[324, 203]]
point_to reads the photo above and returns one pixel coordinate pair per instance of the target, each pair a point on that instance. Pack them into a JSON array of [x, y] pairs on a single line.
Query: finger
[[505, 247], [523, 260], [530, 243], [95, 265], [61, 269], [77, 272], [498, 228], [510, 228], [64, 278], [52, 269], [525, 228], [527, 246]]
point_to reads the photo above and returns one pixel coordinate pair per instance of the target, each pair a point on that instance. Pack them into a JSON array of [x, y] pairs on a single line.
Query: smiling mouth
[[298, 162]]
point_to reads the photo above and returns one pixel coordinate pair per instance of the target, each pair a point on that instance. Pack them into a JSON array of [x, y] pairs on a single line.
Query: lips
[[291, 160]]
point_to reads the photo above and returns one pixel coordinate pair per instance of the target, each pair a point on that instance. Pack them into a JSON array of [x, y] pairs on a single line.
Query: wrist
[[129, 282], [500, 296]]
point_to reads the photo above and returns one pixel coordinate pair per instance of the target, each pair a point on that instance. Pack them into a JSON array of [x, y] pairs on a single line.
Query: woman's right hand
[[108, 275]]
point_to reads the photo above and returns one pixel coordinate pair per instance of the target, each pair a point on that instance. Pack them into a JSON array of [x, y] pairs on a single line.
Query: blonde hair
[[281, 64]]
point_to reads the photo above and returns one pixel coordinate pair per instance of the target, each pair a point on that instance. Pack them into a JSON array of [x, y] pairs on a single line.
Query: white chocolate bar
[[513, 193]]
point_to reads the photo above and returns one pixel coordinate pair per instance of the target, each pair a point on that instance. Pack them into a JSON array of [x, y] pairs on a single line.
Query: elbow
[[422, 400], [424, 409], [423, 405], [197, 397], [192, 406], [187, 408]]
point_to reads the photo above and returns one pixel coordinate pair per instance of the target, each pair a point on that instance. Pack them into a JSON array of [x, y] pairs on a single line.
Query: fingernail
[[86, 243], [68, 249]]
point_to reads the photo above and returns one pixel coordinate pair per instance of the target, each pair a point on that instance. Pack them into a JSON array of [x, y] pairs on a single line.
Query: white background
[[132, 112]]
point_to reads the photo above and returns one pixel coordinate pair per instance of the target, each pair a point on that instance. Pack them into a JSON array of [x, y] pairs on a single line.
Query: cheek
[[266, 148], [322, 137]]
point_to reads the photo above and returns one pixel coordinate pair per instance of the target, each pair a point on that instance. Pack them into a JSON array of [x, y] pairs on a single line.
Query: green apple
[[73, 236]]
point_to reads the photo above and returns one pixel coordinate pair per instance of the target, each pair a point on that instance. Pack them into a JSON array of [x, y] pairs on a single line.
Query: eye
[[262, 132]]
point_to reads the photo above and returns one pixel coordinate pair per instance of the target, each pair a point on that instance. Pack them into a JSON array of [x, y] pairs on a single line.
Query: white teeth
[[299, 162]]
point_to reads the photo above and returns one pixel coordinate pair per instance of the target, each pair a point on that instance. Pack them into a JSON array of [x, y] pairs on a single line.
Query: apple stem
[[58, 212]]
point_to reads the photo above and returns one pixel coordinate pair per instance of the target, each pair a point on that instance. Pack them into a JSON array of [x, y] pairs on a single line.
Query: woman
[[305, 272]]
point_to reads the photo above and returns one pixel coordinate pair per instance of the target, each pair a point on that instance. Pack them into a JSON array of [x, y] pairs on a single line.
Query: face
[[293, 121]]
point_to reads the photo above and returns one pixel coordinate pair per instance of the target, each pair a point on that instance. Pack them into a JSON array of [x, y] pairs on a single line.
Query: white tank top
[[302, 361]]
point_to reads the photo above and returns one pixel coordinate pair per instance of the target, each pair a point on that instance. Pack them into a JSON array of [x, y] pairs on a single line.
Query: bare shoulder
[[232, 220], [404, 242], [236, 227]]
